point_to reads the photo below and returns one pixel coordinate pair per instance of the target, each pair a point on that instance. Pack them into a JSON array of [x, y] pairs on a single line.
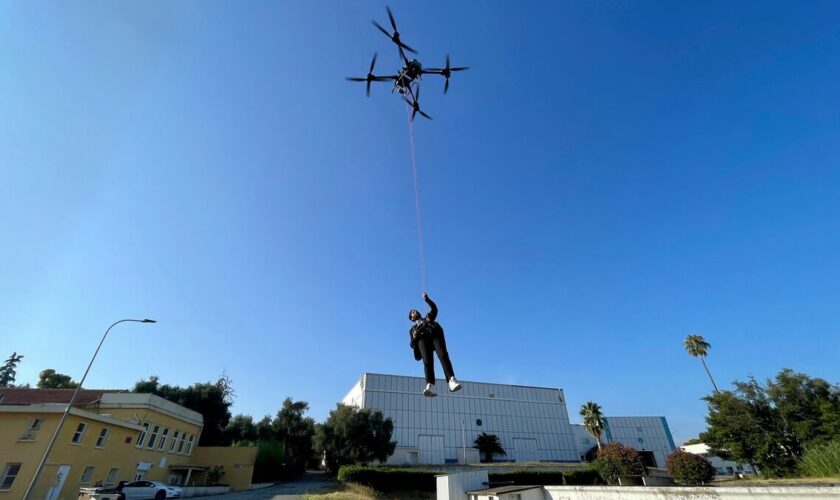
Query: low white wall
[[690, 492], [197, 491]]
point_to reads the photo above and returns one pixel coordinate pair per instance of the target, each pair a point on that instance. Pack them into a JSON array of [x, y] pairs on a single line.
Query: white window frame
[[32, 429], [80, 433], [111, 478], [142, 438], [163, 436], [8, 476], [189, 444], [153, 436], [174, 441], [87, 475], [181, 443], [103, 437]]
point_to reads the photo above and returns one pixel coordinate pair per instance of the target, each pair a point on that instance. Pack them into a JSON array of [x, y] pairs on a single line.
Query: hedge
[[582, 477], [525, 477], [385, 479]]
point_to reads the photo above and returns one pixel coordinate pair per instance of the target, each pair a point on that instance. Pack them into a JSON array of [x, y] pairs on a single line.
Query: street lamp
[[40, 468]]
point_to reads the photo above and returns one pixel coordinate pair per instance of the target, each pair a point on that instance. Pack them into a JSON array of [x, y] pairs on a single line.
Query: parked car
[[102, 493], [146, 490]]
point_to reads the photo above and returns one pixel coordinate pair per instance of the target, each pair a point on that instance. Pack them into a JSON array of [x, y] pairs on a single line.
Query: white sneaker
[[430, 391], [454, 385]]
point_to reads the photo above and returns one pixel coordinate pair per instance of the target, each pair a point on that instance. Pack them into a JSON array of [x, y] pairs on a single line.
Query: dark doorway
[[648, 458]]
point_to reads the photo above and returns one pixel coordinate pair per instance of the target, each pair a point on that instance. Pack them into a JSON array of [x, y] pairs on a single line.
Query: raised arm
[[433, 310]]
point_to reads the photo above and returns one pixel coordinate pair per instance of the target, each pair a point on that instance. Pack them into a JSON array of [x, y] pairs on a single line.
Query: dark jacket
[[427, 327]]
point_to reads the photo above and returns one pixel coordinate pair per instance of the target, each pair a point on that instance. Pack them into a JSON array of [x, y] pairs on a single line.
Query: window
[[103, 435], [112, 476], [181, 442], [163, 438], [87, 474], [142, 438], [153, 437], [189, 444], [9, 476], [174, 441], [79, 434], [31, 429]]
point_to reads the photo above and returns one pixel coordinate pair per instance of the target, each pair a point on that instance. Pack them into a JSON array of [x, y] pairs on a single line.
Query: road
[[311, 482]]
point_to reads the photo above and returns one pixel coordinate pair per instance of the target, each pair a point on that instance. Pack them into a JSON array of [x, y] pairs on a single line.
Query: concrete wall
[[692, 493]]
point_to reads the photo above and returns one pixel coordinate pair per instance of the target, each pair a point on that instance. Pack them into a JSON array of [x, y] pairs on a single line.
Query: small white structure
[[455, 486], [722, 467]]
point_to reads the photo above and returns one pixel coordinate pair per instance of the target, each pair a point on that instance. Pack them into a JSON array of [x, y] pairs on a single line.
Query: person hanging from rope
[[427, 338]]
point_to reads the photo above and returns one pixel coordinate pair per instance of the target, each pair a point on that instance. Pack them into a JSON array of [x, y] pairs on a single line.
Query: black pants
[[428, 346]]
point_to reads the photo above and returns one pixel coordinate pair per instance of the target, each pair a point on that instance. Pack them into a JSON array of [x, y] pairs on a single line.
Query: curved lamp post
[[43, 462]]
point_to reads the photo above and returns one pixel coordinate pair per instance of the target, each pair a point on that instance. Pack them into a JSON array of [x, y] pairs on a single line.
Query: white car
[[146, 490]]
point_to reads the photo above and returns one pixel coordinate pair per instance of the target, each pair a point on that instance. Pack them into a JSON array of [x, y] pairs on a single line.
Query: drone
[[407, 81]]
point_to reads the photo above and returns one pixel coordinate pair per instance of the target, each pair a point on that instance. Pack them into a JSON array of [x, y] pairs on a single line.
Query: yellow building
[[109, 436]]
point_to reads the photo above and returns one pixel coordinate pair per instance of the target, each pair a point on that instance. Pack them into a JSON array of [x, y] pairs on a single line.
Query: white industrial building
[[531, 422], [722, 467]]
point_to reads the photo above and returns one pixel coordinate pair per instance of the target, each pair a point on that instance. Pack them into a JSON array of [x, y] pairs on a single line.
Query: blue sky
[[607, 178]]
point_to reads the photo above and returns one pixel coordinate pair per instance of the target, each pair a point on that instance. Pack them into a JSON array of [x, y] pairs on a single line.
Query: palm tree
[[697, 346], [593, 420], [489, 445]]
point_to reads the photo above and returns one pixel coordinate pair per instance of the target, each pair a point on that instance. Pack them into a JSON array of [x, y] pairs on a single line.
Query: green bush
[[821, 460], [388, 479], [523, 477], [582, 477], [271, 463], [688, 468], [616, 460]]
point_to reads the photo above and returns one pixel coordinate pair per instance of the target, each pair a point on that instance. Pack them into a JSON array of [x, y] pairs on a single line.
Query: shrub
[[688, 468], [271, 463], [521, 477], [388, 479], [821, 460], [616, 460], [582, 477]]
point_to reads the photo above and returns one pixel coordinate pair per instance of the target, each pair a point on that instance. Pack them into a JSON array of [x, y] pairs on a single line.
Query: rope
[[408, 110]]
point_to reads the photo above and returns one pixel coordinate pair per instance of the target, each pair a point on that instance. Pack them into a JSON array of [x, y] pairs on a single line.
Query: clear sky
[[607, 178]]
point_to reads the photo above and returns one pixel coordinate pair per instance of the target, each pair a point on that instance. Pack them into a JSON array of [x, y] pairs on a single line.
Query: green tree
[[696, 440], [809, 407], [296, 432], [50, 379], [593, 420], [211, 399], [240, 429], [745, 425], [354, 436], [489, 445], [9, 370], [264, 430], [697, 347]]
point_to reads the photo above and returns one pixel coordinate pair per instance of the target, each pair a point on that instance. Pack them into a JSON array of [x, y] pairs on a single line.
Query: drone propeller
[[370, 76], [395, 36], [415, 105], [447, 72]]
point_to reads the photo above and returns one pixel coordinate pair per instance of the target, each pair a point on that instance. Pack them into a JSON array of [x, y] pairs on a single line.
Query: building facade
[[532, 423], [109, 436], [649, 435]]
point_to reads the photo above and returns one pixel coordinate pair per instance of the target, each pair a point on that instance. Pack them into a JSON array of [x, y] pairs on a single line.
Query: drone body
[[407, 81]]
